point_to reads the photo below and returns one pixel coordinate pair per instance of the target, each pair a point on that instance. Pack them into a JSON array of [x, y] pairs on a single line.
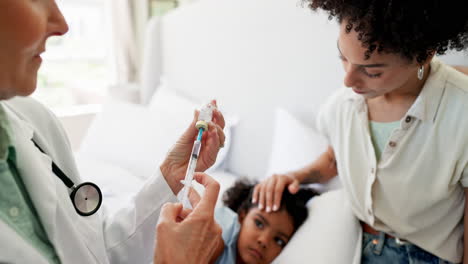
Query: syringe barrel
[[193, 162], [190, 171], [196, 148]]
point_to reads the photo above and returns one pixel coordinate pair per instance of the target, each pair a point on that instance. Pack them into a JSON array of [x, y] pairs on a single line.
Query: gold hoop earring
[[421, 72]]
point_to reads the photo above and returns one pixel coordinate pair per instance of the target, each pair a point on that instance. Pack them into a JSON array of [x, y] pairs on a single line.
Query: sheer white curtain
[[129, 18]]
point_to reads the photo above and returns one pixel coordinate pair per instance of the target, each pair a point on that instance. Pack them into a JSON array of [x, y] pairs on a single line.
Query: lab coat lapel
[[35, 169]]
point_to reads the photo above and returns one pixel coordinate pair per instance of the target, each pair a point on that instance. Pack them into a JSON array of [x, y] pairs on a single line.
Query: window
[[76, 67], [160, 7]]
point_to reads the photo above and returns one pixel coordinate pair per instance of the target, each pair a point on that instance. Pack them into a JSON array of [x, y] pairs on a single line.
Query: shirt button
[[369, 211], [372, 170], [408, 119], [392, 144], [14, 212]]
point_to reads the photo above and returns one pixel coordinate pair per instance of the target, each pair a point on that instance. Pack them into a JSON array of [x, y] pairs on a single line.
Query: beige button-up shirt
[[416, 191]]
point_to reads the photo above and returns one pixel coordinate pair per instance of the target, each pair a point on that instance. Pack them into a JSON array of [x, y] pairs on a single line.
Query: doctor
[[39, 221]]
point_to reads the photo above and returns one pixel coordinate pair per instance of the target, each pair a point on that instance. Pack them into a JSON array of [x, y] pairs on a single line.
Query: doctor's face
[[25, 26], [381, 74]]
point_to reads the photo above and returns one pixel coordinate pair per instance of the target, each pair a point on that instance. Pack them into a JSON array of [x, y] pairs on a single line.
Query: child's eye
[[280, 242], [258, 223]]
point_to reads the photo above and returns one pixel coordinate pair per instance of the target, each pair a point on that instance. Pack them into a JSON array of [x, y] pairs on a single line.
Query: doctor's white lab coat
[[125, 237]]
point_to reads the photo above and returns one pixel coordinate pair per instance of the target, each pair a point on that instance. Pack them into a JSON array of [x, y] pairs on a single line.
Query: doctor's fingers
[[217, 115], [191, 131], [184, 213], [217, 132], [217, 123], [194, 197], [218, 118], [169, 214], [207, 203]]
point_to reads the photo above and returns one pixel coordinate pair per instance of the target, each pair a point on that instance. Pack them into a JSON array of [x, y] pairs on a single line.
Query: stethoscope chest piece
[[86, 198]]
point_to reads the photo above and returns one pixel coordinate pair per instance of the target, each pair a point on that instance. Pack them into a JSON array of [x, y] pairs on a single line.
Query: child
[[251, 235]]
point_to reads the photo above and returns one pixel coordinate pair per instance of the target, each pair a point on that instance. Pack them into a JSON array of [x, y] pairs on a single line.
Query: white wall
[[252, 56]]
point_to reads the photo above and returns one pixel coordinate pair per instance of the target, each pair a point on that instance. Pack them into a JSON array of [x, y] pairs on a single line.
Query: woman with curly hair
[[398, 132]]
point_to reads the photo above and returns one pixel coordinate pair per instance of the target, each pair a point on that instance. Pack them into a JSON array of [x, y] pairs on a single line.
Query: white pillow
[[164, 98], [137, 138], [331, 234], [132, 137], [295, 145]]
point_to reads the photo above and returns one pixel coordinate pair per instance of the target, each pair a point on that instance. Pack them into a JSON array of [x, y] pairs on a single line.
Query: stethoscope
[[86, 197]]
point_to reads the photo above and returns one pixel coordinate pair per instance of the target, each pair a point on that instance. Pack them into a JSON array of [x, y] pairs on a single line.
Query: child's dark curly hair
[[239, 199], [412, 28]]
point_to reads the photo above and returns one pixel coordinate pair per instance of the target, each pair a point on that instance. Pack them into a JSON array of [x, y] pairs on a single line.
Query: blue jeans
[[378, 249]]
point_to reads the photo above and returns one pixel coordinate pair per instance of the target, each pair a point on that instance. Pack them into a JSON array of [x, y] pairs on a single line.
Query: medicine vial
[[205, 116]]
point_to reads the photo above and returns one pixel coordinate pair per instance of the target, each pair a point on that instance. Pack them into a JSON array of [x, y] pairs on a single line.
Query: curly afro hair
[[415, 29], [239, 199]]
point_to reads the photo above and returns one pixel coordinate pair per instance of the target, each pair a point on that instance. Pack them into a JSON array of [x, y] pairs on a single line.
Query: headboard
[[250, 55]]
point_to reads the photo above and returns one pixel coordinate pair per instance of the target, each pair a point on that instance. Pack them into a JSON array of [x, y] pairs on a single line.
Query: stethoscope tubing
[[76, 190]]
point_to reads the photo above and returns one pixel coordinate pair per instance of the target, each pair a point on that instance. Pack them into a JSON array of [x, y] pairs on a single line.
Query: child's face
[[263, 235]]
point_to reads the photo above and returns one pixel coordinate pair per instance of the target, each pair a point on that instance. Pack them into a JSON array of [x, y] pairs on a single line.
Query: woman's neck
[[409, 91], [393, 106]]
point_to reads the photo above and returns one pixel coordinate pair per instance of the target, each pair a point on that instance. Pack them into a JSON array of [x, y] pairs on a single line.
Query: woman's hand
[[175, 165], [268, 193]]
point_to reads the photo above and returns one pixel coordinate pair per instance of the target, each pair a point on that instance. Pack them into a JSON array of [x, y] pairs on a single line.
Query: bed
[[270, 64]]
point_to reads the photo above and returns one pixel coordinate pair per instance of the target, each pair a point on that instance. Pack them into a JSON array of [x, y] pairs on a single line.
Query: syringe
[[206, 114]]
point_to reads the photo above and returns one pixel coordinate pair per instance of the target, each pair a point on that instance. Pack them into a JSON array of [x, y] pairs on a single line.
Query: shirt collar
[[427, 103], [6, 136], [17, 123]]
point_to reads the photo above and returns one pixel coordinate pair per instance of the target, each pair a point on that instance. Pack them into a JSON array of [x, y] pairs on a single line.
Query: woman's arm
[[319, 171], [463, 69]]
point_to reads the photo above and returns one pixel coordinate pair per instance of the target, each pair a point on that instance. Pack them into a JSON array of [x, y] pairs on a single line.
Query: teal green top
[[16, 207], [380, 133]]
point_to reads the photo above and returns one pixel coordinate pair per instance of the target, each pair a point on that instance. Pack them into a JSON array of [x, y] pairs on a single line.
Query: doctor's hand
[[189, 237], [175, 165]]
